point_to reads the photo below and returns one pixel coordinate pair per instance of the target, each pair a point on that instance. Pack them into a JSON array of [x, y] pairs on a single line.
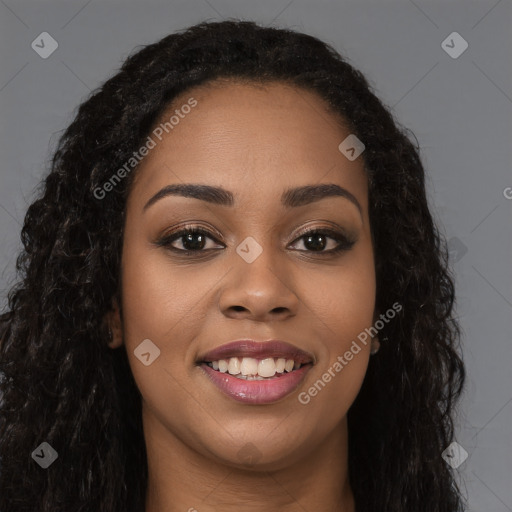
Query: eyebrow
[[291, 198]]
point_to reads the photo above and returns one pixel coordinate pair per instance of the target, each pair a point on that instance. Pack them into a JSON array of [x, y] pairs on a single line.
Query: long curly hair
[[62, 384]]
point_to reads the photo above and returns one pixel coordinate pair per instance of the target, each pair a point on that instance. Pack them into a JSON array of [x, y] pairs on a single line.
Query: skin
[[255, 141]]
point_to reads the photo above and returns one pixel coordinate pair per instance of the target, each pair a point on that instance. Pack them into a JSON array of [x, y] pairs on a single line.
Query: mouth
[[250, 368], [256, 372]]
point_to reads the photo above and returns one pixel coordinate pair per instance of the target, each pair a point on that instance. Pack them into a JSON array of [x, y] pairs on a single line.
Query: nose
[[261, 291]]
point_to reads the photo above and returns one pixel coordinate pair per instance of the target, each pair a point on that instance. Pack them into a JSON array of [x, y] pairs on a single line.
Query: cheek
[[343, 297], [156, 300], [157, 305], [343, 304]]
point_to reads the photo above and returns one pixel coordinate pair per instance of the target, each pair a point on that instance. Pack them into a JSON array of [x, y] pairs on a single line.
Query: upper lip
[[258, 350]]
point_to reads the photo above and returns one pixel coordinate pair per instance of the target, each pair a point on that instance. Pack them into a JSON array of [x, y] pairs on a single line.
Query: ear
[[114, 326]]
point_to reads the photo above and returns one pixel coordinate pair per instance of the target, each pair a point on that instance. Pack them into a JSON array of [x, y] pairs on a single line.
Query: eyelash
[[344, 243]]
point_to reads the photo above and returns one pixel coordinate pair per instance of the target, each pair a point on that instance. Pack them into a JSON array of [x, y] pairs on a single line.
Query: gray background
[[459, 109]]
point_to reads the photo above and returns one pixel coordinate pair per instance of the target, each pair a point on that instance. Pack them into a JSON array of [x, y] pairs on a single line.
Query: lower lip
[[257, 391]]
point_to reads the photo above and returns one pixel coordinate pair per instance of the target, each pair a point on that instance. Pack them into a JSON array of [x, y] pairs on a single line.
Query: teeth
[[250, 377], [267, 367], [249, 368], [234, 366]]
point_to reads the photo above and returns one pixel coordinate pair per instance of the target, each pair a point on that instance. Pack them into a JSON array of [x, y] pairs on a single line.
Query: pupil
[[315, 245], [189, 243]]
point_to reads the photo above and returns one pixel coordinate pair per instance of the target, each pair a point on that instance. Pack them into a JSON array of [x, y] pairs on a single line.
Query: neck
[[181, 479]]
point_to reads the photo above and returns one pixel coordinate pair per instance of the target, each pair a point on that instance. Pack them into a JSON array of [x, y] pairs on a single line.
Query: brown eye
[[190, 239], [194, 240], [319, 239]]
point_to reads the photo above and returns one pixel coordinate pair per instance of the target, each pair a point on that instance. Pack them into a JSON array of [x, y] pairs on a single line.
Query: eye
[[317, 240], [191, 239]]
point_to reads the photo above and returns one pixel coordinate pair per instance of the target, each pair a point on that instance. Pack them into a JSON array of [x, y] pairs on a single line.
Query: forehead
[[250, 137]]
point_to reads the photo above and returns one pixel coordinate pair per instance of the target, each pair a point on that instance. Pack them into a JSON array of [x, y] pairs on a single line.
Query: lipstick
[[259, 372]]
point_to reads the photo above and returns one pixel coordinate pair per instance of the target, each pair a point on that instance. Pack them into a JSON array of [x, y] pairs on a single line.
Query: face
[[191, 293]]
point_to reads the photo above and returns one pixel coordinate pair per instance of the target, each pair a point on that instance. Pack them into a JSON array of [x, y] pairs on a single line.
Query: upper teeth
[[250, 366]]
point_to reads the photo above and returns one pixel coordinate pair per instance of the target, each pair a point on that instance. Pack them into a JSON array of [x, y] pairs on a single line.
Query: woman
[[233, 295]]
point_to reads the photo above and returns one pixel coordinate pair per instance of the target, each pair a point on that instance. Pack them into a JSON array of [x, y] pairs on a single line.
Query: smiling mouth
[[250, 368], [239, 378]]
